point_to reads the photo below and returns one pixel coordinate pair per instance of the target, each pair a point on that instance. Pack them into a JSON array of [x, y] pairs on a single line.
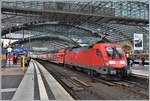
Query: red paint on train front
[[115, 61], [96, 56]]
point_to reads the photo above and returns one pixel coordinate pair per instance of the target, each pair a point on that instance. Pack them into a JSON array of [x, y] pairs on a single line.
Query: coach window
[[98, 53]]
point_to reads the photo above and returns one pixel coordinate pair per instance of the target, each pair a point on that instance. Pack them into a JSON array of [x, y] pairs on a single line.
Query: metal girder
[[75, 31], [8, 18], [42, 27], [118, 32], [15, 7], [85, 5], [47, 41]]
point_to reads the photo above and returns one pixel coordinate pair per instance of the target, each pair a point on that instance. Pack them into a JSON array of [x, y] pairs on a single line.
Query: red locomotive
[[100, 58]]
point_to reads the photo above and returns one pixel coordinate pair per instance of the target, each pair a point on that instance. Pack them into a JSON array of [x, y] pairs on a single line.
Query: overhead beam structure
[[76, 20], [45, 43], [123, 12]]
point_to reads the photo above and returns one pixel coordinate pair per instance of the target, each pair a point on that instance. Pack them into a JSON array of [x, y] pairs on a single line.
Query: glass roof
[[119, 8], [129, 9]]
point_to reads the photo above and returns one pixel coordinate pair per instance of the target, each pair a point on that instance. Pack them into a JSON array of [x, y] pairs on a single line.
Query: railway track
[[127, 84], [133, 87], [82, 90], [78, 89]]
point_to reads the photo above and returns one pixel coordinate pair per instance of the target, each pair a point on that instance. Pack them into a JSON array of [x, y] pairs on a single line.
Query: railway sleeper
[[104, 81], [124, 84], [72, 85], [81, 82]]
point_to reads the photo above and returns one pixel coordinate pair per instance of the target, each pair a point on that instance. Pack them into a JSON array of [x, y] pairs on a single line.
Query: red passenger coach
[[57, 56], [43, 56], [60, 56]]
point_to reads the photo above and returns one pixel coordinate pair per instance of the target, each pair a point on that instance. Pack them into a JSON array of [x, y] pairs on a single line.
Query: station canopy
[[74, 22]]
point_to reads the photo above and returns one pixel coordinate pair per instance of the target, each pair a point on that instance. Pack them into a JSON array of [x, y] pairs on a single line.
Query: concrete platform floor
[[140, 70], [11, 77], [16, 83]]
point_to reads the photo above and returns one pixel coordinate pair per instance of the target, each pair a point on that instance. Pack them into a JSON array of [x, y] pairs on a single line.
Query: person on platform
[[128, 59], [142, 61], [15, 59], [26, 63], [21, 61], [24, 60], [131, 61], [28, 60]]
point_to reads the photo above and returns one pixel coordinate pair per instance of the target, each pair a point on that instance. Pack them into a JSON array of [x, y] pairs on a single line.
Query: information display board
[[138, 41]]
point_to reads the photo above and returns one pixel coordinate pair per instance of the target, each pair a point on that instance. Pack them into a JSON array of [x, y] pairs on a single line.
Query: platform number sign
[[138, 41]]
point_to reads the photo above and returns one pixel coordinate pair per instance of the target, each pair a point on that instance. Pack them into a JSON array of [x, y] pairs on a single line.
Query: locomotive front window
[[119, 51], [110, 51]]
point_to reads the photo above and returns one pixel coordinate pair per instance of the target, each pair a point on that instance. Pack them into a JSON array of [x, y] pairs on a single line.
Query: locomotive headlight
[[110, 62], [122, 62]]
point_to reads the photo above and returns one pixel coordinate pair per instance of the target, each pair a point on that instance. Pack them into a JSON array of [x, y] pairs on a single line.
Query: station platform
[[140, 70], [38, 84], [11, 76], [34, 84]]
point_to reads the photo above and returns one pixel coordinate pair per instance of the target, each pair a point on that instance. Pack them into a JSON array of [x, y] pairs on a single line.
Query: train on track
[[106, 59]]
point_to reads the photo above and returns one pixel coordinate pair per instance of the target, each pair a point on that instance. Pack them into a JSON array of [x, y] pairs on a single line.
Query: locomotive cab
[[114, 60]]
